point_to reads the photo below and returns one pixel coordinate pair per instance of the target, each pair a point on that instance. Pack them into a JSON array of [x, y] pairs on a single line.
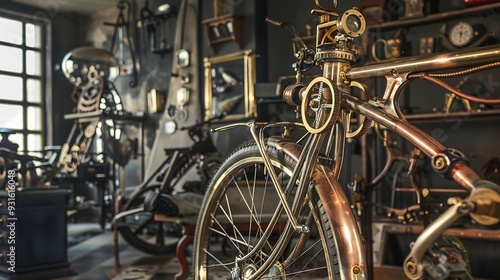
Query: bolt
[[411, 267], [439, 163], [394, 73], [356, 269], [464, 205]]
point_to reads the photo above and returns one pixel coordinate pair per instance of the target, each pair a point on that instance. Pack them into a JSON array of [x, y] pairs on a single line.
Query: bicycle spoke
[[223, 233], [252, 214], [220, 263], [231, 220], [232, 239]]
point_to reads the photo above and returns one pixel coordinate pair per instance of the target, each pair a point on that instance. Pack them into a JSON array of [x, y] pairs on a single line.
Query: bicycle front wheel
[[238, 208]]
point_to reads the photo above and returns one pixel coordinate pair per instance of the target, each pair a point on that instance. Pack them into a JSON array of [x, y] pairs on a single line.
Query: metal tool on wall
[[155, 25], [392, 48], [122, 22]]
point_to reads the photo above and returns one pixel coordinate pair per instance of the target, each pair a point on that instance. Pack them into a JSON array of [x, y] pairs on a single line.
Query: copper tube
[[460, 93], [461, 173], [476, 56]]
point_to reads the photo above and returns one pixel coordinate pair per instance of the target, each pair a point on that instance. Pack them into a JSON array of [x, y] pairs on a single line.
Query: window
[[22, 77]]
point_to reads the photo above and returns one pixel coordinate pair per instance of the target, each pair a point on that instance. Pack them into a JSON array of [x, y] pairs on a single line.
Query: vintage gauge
[[170, 127], [352, 23], [461, 34]]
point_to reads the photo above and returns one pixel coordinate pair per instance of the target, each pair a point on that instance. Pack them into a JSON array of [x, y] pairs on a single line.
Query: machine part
[[208, 165], [89, 131], [352, 23], [141, 231], [364, 123], [293, 94], [447, 259], [90, 96], [415, 263], [444, 161], [77, 63], [486, 197], [321, 102]]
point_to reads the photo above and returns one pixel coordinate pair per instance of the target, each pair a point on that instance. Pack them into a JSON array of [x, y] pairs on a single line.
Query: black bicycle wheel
[[236, 211], [142, 232]]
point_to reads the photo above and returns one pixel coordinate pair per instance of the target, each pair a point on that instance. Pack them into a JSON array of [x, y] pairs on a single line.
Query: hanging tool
[[154, 24], [120, 24]]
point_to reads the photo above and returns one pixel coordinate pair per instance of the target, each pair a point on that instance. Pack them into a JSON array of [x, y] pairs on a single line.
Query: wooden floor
[[91, 254], [93, 258]]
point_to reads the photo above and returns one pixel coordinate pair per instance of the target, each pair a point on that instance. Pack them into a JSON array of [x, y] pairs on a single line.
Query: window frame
[[44, 105]]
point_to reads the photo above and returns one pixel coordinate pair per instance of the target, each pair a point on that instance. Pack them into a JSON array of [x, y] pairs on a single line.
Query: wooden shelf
[[434, 17], [224, 29]]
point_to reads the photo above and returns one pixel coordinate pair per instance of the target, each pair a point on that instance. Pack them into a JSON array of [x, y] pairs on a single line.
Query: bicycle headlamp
[[351, 23]]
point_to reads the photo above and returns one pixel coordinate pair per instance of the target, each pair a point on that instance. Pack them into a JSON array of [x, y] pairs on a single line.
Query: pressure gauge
[[461, 34], [352, 23]]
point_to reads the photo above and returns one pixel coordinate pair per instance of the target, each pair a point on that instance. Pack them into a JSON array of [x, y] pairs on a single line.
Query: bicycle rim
[[237, 208]]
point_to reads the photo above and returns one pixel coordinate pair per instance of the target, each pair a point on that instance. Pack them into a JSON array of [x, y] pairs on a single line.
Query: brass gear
[[323, 102], [365, 125]]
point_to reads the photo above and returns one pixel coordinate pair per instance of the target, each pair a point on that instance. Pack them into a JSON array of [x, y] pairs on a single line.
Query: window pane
[[33, 65], [12, 116], [34, 142], [12, 88], [34, 90], [34, 118], [33, 36], [11, 59], [11, 31], [18, 139]]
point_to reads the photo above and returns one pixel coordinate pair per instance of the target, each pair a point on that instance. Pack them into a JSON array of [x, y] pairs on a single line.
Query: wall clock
[[463, 34]]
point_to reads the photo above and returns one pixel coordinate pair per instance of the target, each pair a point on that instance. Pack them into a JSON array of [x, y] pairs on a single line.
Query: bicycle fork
[[337, 205]]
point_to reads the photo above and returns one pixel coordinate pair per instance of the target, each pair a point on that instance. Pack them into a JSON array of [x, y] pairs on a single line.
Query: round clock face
[[170, 127], [461, 34]]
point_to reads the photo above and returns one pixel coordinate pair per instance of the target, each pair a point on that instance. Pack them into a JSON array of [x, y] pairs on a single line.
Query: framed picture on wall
[[229, 86]]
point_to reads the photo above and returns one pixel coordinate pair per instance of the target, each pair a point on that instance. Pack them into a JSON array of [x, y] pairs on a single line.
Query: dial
[[170, 127], [461, 34]]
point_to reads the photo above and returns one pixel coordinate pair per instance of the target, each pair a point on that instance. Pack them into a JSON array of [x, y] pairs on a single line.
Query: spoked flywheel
[[320, 105]]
